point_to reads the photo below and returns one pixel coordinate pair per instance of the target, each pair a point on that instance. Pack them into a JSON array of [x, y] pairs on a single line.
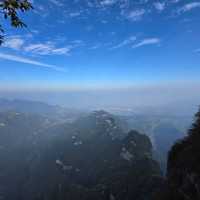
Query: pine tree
[[10, 10]]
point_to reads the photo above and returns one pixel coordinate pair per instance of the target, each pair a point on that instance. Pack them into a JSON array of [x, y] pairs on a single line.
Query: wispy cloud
[[128, 41], [135, 15], [57, 2], [94, 47], [20, 59], [47, 49], [197, 50], [107, 2], [175, 1], [189, 6], [159, 6], [75, 14], [14, 42], [147, 41], [101, 3]]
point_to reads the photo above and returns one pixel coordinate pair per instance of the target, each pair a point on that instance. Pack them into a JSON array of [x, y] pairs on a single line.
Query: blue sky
[[103, 44]]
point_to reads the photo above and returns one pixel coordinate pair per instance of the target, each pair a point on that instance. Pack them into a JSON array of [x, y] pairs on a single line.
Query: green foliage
[[10, 9]]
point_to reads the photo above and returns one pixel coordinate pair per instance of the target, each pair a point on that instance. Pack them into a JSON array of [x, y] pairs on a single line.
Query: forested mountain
[[91, 158], [94, 156], [183, 168], [163, 131]]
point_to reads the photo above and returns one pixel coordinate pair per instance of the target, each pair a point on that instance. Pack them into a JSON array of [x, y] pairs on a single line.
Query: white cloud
[[14, 42], [94, 47], [107, 2], [57, 2], [74, 14], [189, 6], [175, 1], [101, 3], [77, 43], [197, 50], [61, 51], [135, 15], [29, 61], [159, 6], [47, 49], [147, 41], [128, 41], [35, 31]]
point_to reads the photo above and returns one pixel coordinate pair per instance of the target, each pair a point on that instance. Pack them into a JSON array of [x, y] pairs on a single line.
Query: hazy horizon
[[180, 98]]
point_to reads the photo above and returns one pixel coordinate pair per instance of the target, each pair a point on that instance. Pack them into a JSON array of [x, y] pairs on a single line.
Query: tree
[[10, 10]]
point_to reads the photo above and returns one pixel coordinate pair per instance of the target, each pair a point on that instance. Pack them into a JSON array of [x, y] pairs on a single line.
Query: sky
[[102, 44]]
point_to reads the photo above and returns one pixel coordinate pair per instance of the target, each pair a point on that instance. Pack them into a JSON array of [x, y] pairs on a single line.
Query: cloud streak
[[189, 6], [47, 49], [147, 41], [57, 3], [135, 15], [128, 41], [20, 59]]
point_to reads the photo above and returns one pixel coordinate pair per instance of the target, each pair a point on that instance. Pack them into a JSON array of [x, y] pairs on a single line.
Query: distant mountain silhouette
[[36, 107]]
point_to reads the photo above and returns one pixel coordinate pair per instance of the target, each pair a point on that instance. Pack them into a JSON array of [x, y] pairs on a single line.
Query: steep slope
[[90, 158], [183, 171], [163, 131], [86, 159]]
